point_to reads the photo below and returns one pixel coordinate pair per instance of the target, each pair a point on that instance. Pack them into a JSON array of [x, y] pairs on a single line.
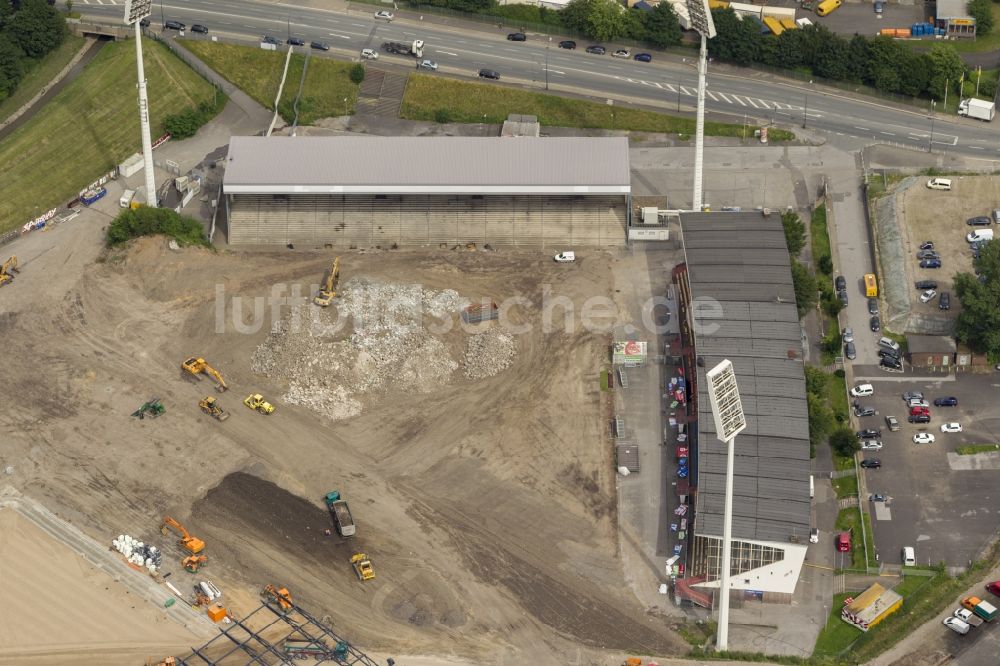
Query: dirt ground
[[486, 505]]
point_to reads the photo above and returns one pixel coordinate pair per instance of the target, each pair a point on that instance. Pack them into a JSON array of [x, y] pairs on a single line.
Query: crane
[[7, 270], [191, 543], [198, 366], [326, 292]]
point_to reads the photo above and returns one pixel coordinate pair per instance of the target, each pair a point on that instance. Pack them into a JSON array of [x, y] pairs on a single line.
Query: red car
[[919, 411], [994, 587], [844, 542]]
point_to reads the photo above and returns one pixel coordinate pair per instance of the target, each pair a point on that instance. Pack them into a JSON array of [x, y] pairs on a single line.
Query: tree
[[816, 380], [661, 26], [11, 66], [805, 288], [37, 28], [946, 68], [978, 325], [844, 442], [831, 56], [983, 13], [795, 232], [821, 420], [735, 40]]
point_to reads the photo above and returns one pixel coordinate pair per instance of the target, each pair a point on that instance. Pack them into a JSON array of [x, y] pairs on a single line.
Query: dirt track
[[486, 505]]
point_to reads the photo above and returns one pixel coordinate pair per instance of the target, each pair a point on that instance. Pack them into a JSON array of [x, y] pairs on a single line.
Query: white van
[[126, 199], [980, 235], [909, 557], [939, 184]]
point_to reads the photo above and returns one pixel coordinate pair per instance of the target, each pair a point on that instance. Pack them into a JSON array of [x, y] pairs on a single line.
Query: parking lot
[[941, 503]]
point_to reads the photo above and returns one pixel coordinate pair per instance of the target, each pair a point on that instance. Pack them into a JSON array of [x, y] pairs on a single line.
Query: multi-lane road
[[668, 82]]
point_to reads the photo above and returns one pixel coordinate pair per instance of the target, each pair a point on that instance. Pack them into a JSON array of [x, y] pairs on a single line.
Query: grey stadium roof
[[427, 165], [738, 265]]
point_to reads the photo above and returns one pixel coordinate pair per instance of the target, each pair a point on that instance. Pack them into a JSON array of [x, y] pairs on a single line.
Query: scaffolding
[[301, 636]]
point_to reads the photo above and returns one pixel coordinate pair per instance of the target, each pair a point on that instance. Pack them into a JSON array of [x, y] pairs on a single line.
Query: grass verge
[[40, 74], [819, 236], [446, 100], [90, 126], [976, 448], [327, 92], [837, 636], [845, 486], [849, 520]]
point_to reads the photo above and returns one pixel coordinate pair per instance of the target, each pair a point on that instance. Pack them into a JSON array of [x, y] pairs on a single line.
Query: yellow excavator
[[198, 366], [328, 291], [193, 544], [7, 270]]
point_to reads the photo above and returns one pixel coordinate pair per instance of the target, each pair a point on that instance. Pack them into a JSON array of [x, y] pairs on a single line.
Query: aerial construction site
[[424, 487]]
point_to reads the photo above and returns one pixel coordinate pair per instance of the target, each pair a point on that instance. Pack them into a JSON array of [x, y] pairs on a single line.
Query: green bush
[[357, 74], [825, 265], [146, 221], [442, 116], [844, 442], [186, 124]]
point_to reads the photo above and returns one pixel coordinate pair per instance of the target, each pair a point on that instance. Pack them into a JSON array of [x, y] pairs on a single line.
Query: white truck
[[977, 108]]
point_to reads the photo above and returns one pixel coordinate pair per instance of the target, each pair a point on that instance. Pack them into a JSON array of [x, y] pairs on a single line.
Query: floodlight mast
[[135, 11], [727, 410], [702, 23]]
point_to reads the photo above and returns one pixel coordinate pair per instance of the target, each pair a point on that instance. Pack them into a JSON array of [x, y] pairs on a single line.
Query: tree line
[[29, 29]]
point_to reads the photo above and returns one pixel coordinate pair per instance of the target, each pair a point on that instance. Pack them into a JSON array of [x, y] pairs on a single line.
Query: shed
[[870, 607], [931, 351]]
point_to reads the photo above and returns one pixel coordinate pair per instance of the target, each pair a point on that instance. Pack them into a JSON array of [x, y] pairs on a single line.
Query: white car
[[621, 53], [565, 256], [427, 64], [871, 445], [928, 296], [956, 625], [814, 535], [848, 334], [917, 402], [369, 54], [863, 391], [384, 15], [951, 427], [923, 438]]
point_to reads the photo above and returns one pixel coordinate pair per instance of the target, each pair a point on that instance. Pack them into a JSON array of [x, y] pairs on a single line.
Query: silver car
[[848, 334], [427, 64]]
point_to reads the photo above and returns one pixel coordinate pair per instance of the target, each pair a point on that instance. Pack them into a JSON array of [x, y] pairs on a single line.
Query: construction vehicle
[[197, 366], [275, 595], [362, 566], [256, 402], [328, 291], [192, 563], [210, 406], [7, 270], [152, 407], [341, 513], [193, 544], [166, 661]]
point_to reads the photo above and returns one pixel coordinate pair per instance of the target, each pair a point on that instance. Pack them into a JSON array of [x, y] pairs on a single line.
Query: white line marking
[[977, 148], [863, 129], [333, 34], [750, 99], [712, 95], [887, 133], [742, 103], [446, 53], [727, 100]]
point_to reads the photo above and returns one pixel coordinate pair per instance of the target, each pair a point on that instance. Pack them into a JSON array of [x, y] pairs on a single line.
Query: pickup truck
[[967, 616], [341, 513], [983, 609]]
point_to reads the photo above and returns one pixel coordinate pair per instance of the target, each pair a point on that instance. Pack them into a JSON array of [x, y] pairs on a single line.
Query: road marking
[[556, 71], [711, 94], [977, 148], [685, 90], [669, 87], [742, 103], [863, 129], [750, 99], [446, 52], [333, 34], [726, 99], [887, 133], [782, 113], [764, 104], [360, 25]]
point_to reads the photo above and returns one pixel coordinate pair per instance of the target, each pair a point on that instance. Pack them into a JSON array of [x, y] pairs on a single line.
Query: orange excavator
[[193, 544], [192, 563], [198, 366], [278, 596]]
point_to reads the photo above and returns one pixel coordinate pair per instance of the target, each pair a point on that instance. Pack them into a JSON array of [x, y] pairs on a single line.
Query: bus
[[871, 286]]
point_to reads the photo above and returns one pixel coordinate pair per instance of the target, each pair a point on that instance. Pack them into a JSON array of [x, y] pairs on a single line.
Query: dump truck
[[977, 108], [414, 49], [341, 513], [983, 609]]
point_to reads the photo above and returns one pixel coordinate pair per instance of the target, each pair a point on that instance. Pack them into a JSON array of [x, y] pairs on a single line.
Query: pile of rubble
[[489, 353], [138, 553], [390, 344]]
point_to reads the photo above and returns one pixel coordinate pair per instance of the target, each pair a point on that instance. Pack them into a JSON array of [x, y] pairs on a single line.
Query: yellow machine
[[199, 366], [327, 292], [210, 406], [7, 270], [362, 566], [191, 543], [256, 401], [278, 596], [166, 661], [192, 563]]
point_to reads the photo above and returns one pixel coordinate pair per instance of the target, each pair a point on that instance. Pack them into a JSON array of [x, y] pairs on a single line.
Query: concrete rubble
[[489, 353]]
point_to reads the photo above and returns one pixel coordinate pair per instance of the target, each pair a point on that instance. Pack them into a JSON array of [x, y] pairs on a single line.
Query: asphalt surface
[[668, 82]]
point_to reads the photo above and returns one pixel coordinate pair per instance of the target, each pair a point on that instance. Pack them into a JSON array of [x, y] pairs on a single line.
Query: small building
[[931, 351], [970, 361], [954, 18], [870, 607]]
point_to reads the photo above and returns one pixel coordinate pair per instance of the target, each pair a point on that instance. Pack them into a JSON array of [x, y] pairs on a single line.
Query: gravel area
[[489, 353]]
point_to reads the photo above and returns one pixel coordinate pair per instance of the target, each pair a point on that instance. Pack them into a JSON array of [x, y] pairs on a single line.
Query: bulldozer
[[328, 291], [280, 596], [197, 366], [210, 406], [193, 544], [7, 270], [256, 402], [362, 566], [192, 563]]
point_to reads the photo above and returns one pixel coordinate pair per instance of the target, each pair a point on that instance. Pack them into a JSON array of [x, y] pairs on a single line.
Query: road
[[668, 82]]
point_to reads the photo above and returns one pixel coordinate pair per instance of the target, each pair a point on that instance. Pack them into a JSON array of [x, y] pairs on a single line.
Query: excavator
[[210, 406], [274, 595], [192, 563], [327, 292], [193, 544], [8, 269], [197, 366]]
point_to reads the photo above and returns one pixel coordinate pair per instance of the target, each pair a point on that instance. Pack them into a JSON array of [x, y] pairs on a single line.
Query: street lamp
[[727, 410], [135, 11], [701, 21]]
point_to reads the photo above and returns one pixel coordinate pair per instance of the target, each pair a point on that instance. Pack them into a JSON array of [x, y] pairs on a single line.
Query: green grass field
[[328, 90], [446, 100], [89, 127], [837, 635], [972, 449], [40, 75], [845, 486]]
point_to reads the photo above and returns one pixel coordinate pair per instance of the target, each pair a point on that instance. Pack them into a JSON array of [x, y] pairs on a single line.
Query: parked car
[[863, 410], [384, 15], [849, 351], [567, 44], [173, 25], [563, 257], [951, 427], [887, 353], [643, 57], [842, 295], [994, 587], [144, 22], [930, 263], [840, 283], [871, 445], [198, 27], [517, 37], [621, 53], [892, 422], [927, 245], [979, 221], [868, 433], [923, 438], [925, 284], [848, 334], [843, 542], [916, 411], [919, 418], [917, 402], [814, 535], [863, 390], [427, 64], [320, 46], [928, 254], [876, 497], [875, 324], [596, 49], [489, 74], [888, 343], [950, 401], [928, 296], [873, 306], [944, 301], [956, 625], [912, 395], [369, 54], [879, 8], [871, 463], [268, 39], [891, 364], [295, 41]]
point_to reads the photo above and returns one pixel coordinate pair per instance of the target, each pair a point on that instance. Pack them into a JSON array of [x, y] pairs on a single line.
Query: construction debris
[[138, 553], [489, 353]]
